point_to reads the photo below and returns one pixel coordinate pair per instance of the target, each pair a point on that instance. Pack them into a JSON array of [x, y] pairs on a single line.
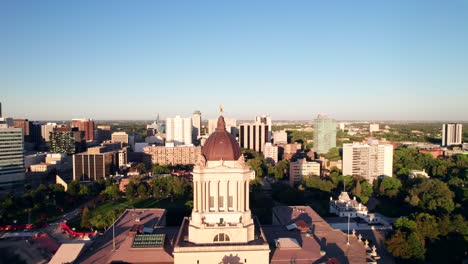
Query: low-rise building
[[302, 169], [344, 206], [171, 155], [418, 173], [97, 162], [434, 152], [41, 167], [290, 150]]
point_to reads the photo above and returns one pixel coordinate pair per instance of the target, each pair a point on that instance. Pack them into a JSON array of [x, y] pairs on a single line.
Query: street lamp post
[[348, 230], [113, 234]]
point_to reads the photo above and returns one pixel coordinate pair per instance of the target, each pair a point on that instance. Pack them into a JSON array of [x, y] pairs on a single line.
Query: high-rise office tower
[[45, 131], [11, 157], [196, 122], [452, 134], [179, 131], [103, 133], [67, 140], [23, 124], [35, 136], [324, 134], [5, 121], [85, 125], [264, 119], [368, 160], [254, 136]]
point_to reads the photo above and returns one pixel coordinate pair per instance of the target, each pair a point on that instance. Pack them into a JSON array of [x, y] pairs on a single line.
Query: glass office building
[[324, 134], [11, 157]]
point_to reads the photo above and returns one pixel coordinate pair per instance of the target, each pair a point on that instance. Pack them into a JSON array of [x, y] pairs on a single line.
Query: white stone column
[[242, 195], [247, 196], [226, 196], [235, 191], [216, 195], [200, 197], [207, 198], [195, 196]]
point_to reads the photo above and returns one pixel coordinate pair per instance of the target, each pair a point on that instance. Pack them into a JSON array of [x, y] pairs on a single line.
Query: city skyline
[[367, 61]]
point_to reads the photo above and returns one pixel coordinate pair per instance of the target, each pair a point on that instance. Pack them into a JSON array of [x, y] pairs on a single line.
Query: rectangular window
[[221, 202], [230, 203], [211, 202]]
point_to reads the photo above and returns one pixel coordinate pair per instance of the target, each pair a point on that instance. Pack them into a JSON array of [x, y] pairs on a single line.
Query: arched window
[[221, 237]]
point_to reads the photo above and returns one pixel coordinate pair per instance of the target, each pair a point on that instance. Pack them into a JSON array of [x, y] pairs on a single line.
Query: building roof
[[221, 145], [100, 251], [292, 245], [330, 240], [67, 253]]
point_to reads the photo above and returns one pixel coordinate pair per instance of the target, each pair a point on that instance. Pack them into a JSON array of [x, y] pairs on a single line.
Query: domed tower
[[221, 177]]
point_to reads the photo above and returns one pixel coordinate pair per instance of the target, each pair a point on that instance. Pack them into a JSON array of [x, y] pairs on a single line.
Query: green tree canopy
[[431, 195], [160, 169], [406, 246], [112, 192], [389, 186]]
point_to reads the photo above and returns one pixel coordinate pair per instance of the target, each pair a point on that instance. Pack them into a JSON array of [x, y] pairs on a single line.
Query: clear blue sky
[[291, 59]]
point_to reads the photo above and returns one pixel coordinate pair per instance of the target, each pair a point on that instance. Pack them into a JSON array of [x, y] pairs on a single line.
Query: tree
[[85, 217], [141, 167], [404, 246], [143, 190], [432, 195], [389, 186], [357, 189], [258, 165], [73, 188], [315, 182], [130, 190], [160, 169], [426, 226], [112, 192], [280, 169], [84, 190], [405, 224]]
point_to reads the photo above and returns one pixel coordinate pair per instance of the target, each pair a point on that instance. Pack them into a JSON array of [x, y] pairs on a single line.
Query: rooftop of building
[[332, 241], [289, 245], [101, 249]]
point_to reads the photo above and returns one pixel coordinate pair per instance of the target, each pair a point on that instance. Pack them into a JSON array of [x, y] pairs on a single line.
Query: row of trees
[[437, 230], [44, 202], [98, 216]]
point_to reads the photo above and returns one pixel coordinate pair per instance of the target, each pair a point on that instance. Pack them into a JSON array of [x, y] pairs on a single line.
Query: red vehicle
[[67, 229]]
